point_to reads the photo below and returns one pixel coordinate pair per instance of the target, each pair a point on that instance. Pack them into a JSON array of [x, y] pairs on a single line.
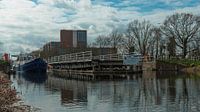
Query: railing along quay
[[110, 57], [73, 57], [83, 57]]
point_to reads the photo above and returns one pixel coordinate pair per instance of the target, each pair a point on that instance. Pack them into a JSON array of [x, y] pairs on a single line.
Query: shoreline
[[10, 101], [192, 70]]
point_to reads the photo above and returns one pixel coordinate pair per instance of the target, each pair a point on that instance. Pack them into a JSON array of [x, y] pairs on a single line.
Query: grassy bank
[[184, 65], [2, 62], [9, 101], [183, 62]]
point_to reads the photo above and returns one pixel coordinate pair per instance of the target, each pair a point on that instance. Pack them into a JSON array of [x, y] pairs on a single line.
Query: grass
[[2, 62], [183, 62]]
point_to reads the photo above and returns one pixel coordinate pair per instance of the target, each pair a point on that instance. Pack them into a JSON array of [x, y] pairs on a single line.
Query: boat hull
[[36, 65]]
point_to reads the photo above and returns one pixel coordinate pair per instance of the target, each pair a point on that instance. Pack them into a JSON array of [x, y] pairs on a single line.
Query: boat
[[34, 65], [27, 63]]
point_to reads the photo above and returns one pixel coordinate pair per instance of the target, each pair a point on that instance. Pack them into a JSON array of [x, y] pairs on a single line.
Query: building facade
[[51, 46], [73, 38]]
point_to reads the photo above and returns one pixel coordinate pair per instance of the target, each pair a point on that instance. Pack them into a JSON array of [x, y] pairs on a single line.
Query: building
[[51, 46], [73, 38], [72, 41]]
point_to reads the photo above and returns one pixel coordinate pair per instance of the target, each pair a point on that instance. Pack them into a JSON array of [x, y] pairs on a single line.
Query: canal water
[[150, 92]]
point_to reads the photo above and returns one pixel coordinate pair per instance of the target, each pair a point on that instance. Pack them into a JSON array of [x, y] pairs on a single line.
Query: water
[[147, 93]]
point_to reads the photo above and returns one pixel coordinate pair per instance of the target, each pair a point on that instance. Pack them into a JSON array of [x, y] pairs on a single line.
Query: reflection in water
[[72, 92], [153, 92], [35, 77]]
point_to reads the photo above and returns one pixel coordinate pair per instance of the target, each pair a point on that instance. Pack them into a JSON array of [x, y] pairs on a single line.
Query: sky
[[26, 25]]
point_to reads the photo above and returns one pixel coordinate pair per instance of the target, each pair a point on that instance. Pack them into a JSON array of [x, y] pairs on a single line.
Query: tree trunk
[[157, 49], [184, 49]]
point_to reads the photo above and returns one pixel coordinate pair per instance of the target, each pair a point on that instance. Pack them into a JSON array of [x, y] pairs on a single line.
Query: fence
[[87, 56], [73, 57]]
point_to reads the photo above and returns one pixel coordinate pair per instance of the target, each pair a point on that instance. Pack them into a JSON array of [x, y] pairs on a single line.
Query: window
[[81, 36]]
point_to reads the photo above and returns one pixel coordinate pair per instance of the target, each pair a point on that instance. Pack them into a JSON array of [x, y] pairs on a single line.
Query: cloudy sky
[[25, 25]]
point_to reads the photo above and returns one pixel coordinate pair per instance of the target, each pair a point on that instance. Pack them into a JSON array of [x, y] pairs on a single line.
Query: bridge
[[86, 66]]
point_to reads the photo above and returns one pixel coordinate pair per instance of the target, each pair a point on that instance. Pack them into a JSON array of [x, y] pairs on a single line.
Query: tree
[[141, 34], [162, 48], [102, 41], [183, 28], [116, 38], [129, 42], [171, 47], [196, 46], [156, 41]]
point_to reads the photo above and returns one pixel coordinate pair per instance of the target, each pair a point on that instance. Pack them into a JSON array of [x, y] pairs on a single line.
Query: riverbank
[[9, 100], [182, 65], [192, 70], [5, 66]]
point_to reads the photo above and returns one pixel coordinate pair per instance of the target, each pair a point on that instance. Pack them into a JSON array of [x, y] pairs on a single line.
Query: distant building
[[73, 38], [6, 57], [51, 46]]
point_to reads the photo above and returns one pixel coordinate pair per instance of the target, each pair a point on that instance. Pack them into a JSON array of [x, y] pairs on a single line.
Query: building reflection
[[72, 92]]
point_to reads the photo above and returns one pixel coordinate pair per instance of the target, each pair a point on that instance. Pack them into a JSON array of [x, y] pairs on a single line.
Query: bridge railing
[[87, 56], [110, 57], [82, 56]]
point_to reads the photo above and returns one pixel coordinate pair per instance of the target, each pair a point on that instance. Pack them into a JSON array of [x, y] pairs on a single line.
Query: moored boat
[[35, 65]]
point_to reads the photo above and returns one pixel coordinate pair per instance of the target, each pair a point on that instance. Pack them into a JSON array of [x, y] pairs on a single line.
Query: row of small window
[[81, 36]]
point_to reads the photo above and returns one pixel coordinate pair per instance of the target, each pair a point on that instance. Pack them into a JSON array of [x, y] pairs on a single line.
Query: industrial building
[[73, 38], [51, 46], [72, 41]]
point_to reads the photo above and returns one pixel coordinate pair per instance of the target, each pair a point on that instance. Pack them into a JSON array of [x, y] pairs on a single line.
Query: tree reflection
[[151, 92]]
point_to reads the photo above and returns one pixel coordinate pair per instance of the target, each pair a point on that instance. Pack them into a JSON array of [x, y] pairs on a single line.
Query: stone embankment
[[9, 100]]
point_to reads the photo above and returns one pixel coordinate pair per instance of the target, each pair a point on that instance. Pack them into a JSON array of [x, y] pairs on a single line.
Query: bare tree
[[195, 46], [155, 42], [152, 47], [129, 42], [116, 38], [183, 27], [162, 48], [102, 41], [141, 33], [171, 47]]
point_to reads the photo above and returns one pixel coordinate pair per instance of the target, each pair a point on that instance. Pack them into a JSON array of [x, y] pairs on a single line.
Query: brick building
[[72, 41], [73, 38]]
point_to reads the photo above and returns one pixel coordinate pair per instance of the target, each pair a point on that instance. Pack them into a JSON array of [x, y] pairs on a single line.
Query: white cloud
[[25, 24]]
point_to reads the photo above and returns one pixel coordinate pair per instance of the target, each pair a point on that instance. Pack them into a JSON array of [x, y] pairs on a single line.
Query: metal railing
[[87, 56], [82, 57], [109, 57], [73, 57]]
